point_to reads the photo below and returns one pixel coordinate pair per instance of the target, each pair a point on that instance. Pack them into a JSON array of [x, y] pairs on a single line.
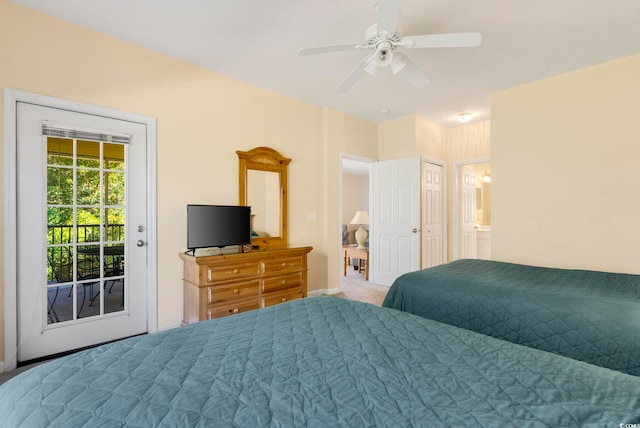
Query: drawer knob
[[236, 291], [236, 271], [284, 299], [284, 281], [235, 311], [284, 264]]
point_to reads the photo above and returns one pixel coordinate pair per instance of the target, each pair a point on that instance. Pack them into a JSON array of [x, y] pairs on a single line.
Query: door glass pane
[[85, 229], [114, 225], [88, 154], [59, 151], [114, 188], [59, 303], [88, 187], [88, 298], [114, 295], [60, 225], [59, 185], [113, 156], [88, 224]]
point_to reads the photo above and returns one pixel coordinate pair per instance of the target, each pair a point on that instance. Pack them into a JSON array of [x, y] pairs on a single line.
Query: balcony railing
[[60, 256], [86, 233]]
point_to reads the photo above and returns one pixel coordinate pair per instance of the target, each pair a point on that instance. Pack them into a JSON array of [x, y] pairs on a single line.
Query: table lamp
[[361, 218]]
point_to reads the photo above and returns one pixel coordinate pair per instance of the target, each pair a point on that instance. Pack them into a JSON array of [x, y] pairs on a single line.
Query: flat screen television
[[217, 226]]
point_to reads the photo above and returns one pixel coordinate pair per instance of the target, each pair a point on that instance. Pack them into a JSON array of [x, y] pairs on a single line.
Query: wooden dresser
[[217, 286]]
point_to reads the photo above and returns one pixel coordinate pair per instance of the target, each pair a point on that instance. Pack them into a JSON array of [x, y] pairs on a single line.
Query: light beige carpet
[[354, 287]]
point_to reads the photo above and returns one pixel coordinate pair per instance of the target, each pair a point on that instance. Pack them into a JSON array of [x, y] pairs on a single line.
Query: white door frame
[[11, 98], [455, 244], [443, 164]]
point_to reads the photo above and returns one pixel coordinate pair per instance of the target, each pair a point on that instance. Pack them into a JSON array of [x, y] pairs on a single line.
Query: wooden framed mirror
[[263, 187]]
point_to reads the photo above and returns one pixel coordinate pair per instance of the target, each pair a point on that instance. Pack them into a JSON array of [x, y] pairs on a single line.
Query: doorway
[[355, 187], [472, 210], [84, 226]]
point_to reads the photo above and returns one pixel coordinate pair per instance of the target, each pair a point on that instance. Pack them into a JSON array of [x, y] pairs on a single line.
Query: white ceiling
[[257, 42]]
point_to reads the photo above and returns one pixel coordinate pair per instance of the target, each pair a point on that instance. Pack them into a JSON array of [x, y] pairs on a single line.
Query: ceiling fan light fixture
[[383, 58]]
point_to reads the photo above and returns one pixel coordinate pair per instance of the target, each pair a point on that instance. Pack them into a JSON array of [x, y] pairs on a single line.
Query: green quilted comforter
[[318, 362], [586, 315]]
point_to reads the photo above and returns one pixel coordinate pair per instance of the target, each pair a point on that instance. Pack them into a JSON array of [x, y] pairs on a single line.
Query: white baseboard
[[324, 291]]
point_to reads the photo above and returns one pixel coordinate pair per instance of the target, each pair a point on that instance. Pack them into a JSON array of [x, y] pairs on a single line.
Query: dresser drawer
[[281, 297], [232, 308], [283, 282], [238, 290], [283, 265], [231, 272]]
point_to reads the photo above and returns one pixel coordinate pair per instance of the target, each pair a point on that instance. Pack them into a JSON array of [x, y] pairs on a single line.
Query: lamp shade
[[361, 217]]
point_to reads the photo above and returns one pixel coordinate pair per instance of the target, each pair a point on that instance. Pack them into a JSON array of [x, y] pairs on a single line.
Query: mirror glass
[[263, 195]]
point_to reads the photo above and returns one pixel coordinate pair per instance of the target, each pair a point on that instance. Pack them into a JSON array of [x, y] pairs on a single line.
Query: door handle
[[140, 243], [414, 230]]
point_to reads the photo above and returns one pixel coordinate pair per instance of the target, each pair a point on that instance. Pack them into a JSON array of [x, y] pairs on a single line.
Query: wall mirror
[[263, 187]]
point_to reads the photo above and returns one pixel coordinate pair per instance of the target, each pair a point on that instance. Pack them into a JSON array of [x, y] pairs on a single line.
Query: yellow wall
[[397, 138], [565, 161], [468, 142], [202, 118], [430, 139]]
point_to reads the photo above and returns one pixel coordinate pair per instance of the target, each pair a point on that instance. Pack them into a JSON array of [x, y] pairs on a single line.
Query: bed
[[324, 362], [586, 315]]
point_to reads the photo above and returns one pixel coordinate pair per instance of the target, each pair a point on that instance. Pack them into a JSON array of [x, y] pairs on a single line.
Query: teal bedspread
[[318, 362], [586, 315]]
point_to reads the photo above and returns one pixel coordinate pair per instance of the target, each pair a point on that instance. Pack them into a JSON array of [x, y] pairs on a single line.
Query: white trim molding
[[11, 98]]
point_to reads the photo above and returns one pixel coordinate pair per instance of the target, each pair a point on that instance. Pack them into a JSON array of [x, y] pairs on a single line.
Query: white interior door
[[433, 225], [81, 230], [395, 222], [468, 214]]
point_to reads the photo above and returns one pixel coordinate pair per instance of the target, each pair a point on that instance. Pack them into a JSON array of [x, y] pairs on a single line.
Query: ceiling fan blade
[[447, 40], [388, 12], [413, 74], [354, 75], [326, 49]]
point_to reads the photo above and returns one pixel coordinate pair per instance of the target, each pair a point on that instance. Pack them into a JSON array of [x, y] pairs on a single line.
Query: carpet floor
[[354, 287]]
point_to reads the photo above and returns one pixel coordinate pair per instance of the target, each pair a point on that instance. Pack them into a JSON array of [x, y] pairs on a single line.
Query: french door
[[81, 230]]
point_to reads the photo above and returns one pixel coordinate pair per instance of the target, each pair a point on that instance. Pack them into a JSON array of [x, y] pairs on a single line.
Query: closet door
[[432, 208]]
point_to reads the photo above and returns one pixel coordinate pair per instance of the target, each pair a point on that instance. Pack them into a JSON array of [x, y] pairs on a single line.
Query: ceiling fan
[[383, 40]]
